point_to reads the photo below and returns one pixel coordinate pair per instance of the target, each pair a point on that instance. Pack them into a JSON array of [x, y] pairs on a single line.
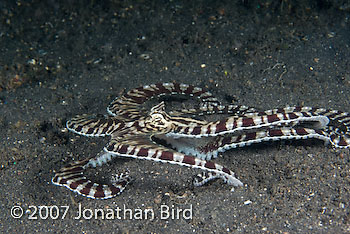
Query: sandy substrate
[[58, 60]]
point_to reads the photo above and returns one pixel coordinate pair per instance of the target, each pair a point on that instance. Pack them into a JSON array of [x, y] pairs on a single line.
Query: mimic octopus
[[180, 137]]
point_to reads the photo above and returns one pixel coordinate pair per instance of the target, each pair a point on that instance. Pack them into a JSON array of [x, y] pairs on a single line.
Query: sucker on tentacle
[[173, 137]]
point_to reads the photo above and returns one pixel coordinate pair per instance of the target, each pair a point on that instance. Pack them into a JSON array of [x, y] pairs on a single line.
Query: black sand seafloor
[[63, 58]]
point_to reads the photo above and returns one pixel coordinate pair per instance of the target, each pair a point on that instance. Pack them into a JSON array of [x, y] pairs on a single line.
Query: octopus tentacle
[[236, 124], [88, 125], [73, 178], [137, 148]]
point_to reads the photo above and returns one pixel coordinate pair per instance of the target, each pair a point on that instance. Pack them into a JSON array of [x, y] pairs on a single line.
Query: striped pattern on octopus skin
[[235, 124], [338, 128], [136, 148], [91, 126], [135, 97], [72, 177], [225, 143], [209, 148], [204, 177], [209, 109], [128, 105]]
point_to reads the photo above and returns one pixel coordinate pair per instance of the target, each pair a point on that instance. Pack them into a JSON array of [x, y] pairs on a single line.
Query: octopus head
[[158, 120]]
